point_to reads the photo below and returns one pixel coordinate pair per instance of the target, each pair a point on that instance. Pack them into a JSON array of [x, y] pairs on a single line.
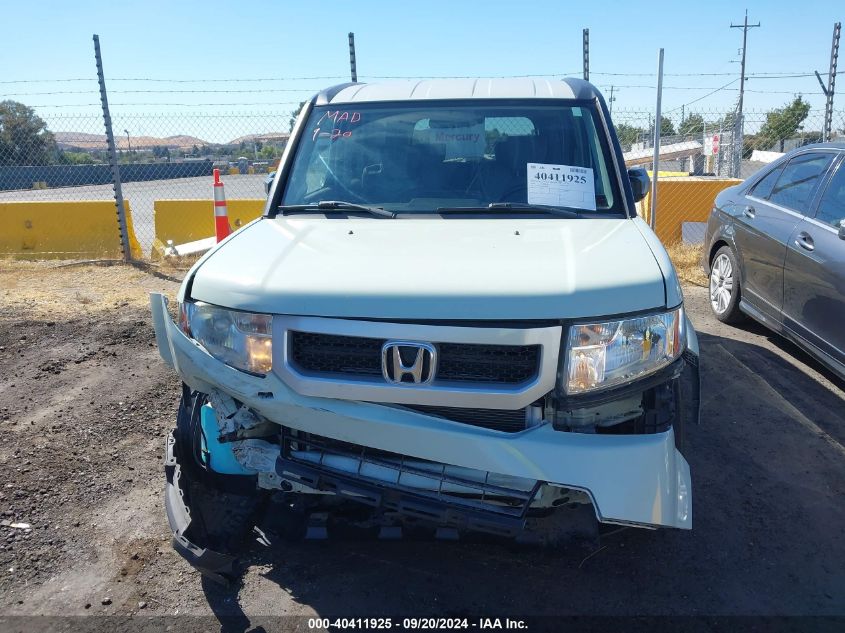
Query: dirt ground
[[85, 404]]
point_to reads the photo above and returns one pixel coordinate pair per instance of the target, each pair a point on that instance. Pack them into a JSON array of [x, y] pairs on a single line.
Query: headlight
[[603, 355], [242, 340]]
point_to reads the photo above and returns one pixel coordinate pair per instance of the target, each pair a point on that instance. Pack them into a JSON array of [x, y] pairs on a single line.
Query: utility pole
[[738, 129], [611, 100], [353, 68], [744, 26], [586, 54], [831, 83]]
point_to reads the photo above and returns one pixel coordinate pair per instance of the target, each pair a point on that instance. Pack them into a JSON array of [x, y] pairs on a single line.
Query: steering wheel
[[358, 197]]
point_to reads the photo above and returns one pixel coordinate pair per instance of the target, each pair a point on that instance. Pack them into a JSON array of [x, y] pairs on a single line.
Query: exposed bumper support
[[632, 479]]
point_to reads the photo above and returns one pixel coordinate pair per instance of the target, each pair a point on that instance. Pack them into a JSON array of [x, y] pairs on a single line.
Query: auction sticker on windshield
[[561, 185]]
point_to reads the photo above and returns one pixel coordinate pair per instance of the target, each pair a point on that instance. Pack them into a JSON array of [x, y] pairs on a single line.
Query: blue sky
[[51, 40]]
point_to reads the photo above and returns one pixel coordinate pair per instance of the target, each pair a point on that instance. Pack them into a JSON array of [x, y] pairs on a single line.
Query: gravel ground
[[85, 405]]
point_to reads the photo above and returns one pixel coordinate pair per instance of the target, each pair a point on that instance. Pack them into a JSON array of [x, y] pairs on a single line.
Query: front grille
[[358, 356], [333, 354], [498, 420]]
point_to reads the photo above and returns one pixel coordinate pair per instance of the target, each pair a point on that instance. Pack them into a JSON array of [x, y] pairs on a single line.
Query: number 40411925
[[559, 177]]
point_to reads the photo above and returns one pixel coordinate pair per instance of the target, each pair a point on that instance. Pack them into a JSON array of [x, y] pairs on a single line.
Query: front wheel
[[724, 286]]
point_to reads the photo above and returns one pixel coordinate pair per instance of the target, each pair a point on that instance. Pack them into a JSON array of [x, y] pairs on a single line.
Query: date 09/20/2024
[[410, 624]]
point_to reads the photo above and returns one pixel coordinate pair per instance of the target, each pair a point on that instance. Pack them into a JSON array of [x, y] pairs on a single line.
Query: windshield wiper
[[336, 205], [498, 207]]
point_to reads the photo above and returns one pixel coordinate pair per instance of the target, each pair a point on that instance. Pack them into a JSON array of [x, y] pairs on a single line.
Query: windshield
[[419, 157]]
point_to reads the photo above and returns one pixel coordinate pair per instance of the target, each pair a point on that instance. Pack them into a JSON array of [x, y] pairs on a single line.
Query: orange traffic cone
[[221, 211]]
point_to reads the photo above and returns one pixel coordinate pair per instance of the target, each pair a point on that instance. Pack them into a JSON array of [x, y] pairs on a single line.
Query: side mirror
[[842, 229], [268, 182], [640, 182]]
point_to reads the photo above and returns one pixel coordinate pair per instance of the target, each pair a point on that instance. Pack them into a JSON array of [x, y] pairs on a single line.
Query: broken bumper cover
[[215, 565], [631, 479]]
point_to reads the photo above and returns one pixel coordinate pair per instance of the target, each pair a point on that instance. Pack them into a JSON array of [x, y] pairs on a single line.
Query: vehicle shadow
[[791, 349], [785, 373], [767, 469]]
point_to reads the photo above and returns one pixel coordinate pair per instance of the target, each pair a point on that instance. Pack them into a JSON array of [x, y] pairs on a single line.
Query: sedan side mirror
[[842, 229], [640, 182]]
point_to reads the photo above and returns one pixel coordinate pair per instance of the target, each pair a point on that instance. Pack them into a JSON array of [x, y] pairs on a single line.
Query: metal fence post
[[115, 168], [657, 125], [737, 145], [353, 65], [831, 82], [586, 51]]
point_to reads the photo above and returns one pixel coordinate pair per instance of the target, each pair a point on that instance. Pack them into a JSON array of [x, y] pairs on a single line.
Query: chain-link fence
[[160, 156], [170, 157], [707, 151]]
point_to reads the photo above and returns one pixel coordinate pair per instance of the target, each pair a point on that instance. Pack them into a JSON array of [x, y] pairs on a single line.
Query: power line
[[186, 105], [732, 81], [313, 90], [758, 75], [175, 81], [83, 92]]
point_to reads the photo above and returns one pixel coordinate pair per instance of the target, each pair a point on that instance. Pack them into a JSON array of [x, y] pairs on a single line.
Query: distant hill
[[83, 141], [269, 137]]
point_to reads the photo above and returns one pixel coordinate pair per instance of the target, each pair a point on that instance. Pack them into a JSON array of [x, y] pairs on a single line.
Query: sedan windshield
[[420, 156]]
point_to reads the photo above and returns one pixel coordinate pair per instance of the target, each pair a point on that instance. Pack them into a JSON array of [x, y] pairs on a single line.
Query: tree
[[160, 151], [76, 158], [667, 128], [628, 134], [783, 123], [295, 113], [268, 151], [693, 125], [730, 119], [24, 137]]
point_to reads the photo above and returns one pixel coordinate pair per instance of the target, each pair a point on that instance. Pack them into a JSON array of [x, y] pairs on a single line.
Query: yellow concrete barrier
[[182, 221], [679, 200], [86, 229], [234, 171], [668, 174]]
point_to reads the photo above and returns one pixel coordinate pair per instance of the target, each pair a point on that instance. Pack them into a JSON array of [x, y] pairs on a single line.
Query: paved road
[[141, 196]]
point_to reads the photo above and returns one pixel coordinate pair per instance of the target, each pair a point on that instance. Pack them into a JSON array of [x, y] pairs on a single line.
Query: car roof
[[838, 145], [497, 88]]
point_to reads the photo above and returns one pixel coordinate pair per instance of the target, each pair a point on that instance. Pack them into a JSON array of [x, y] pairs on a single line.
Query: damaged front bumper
[[177, 503], [631, 479]]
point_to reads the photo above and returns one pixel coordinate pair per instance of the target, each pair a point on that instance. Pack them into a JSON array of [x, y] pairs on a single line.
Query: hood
[[434, 268]]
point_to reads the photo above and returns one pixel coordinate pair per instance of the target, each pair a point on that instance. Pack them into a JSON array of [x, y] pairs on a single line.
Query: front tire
[[725, 290]]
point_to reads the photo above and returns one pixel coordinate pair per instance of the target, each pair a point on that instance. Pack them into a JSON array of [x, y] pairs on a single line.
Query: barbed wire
[[186, 105], [315, 90], [758, 75], [118, 92]]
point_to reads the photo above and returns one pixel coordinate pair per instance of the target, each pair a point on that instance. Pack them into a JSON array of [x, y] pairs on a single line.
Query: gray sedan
[[775, 251]]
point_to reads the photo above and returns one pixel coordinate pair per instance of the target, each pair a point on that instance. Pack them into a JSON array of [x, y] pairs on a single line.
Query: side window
[[798, 181], [763, 188], [832, 205]]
